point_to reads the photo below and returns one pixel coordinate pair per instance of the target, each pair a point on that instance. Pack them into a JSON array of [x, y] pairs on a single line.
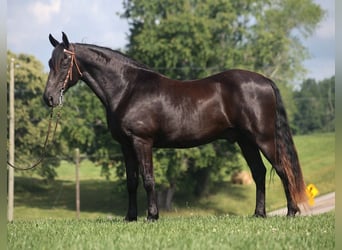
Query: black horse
[[146, 109]]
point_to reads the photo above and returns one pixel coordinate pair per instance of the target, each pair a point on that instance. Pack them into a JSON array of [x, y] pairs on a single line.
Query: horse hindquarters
[[280, 151], [287, 162], [264, 124]]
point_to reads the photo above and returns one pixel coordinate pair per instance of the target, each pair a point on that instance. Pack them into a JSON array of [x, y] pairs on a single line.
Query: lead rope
[[43, 155], [67, 78]]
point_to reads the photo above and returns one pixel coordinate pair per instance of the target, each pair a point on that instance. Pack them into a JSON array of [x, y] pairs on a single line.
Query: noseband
[[69, 74]]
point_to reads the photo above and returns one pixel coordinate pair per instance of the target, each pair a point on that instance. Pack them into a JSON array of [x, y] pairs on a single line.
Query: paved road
[[323, 204]]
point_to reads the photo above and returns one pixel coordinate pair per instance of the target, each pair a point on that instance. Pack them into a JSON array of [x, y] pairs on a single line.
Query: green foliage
[[184, 166], [197, 232], [315, 104], [186, 39]]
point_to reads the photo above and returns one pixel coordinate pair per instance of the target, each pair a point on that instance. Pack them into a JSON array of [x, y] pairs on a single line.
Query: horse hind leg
[[252, 156], [268, 149]]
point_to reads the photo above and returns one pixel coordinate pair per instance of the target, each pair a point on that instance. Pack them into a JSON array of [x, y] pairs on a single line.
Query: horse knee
[[148, 183]]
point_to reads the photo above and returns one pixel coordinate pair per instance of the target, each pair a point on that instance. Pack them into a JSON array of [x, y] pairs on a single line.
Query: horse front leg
[[143, 150], [132, 177]]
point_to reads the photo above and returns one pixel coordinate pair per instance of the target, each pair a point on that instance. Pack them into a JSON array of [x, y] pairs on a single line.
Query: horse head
[[64, 71]]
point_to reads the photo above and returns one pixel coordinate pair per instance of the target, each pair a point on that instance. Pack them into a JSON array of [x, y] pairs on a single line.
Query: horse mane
[[108, 54]]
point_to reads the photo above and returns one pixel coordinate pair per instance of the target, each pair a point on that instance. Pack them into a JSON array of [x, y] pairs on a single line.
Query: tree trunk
[[165, 197], [202, 181]]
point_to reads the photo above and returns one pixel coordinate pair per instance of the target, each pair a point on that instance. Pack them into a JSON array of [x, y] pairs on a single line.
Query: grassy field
[[196, 232], [44, 216], [101, 198]]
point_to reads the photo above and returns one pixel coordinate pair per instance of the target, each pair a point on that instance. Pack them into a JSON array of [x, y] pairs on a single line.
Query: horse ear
[[65, 40], [53, 41]]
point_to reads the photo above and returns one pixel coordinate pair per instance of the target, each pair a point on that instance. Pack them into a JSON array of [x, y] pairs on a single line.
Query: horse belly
[[191, 132]]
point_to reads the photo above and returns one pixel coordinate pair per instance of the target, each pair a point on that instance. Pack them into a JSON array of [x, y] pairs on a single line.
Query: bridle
[[67, 78], [69, 74]]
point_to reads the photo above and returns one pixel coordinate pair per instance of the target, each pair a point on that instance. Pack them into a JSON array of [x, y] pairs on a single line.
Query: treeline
[[183, 40], [315, 106]]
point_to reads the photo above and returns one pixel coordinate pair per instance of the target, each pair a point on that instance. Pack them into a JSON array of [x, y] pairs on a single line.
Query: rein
[[67, 78], [45, 143]]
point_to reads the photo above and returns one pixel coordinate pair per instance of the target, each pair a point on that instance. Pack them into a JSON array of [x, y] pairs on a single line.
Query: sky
[[29, 22]]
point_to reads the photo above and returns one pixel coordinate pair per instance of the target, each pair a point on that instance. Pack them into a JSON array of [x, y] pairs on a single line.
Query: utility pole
[[11, 144], [77, 171]]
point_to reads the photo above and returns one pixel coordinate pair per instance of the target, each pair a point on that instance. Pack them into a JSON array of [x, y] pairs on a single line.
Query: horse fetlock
[[153, 217]]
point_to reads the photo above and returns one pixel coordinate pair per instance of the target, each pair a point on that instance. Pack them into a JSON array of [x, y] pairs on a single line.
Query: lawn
[[194, 232], [44, 216]]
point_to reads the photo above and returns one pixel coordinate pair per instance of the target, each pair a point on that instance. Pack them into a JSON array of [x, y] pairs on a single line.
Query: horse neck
[[106, 76]]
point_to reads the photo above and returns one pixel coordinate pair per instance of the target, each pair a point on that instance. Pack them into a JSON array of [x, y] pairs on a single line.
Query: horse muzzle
[[53, 100]]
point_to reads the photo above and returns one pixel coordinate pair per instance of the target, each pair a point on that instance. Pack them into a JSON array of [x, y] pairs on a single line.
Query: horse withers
[[146, 109]]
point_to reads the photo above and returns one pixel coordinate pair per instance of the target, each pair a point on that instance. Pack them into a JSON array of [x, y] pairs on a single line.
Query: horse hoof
[[259, 215], [130, 219], [292, 211], [152, 218], [291, 214]]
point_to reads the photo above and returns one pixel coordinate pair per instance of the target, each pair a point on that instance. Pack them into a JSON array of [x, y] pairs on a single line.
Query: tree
[[187, 39], [327, 87], [315, 106]]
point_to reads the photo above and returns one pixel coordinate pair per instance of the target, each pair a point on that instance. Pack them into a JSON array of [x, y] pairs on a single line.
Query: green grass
[[100, 198], [44, 216], [196, 232]]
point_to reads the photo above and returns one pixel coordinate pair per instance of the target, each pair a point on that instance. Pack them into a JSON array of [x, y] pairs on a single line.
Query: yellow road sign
[[311, 192]]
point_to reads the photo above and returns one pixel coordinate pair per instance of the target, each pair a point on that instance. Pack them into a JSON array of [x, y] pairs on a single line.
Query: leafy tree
[[315, 106], [187, 39], [327, 87]]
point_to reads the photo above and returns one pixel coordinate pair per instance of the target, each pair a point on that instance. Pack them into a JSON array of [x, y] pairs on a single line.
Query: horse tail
[[286, 155]]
